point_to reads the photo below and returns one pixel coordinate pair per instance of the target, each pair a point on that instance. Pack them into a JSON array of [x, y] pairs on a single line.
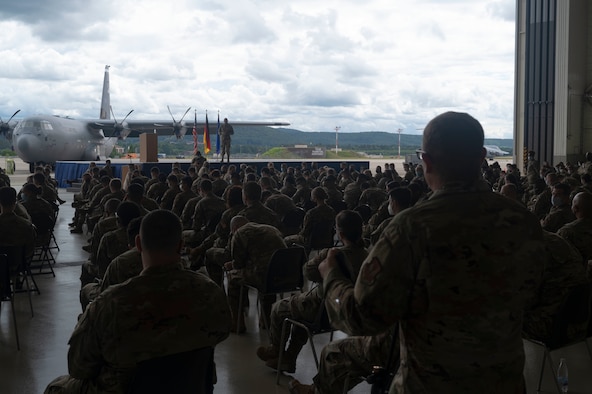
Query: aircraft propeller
[[179, 128], [5, 127], [120, 129]]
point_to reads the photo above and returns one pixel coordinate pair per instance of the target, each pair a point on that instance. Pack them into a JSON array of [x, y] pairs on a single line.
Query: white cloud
[[363, 66]]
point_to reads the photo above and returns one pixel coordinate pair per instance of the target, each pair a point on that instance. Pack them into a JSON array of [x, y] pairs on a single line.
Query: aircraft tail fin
[[106, 99]]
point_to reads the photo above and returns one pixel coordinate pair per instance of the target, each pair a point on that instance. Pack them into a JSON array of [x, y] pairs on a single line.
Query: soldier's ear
[[138, 243]]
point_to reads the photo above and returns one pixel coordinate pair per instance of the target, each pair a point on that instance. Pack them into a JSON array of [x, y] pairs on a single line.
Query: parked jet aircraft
[[47, 139], [494, 150]]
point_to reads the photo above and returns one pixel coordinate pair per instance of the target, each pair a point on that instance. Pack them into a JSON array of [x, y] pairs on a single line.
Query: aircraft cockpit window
[[45, 125]]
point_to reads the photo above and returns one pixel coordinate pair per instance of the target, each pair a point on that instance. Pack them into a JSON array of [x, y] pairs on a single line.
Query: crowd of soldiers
[[233, 219]]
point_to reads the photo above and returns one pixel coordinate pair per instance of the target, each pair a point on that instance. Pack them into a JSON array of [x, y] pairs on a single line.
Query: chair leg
[[553, 371], [239, 310], [542, 370], [346, 383], [26, 279], [18, 343], [282, 341], [312, 346]]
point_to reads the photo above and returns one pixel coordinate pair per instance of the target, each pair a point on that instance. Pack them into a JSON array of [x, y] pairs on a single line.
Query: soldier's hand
[[195, 252], [228, 266], [329, 263]]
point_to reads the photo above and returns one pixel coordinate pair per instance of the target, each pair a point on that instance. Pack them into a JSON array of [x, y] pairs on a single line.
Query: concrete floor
[[44, 338]]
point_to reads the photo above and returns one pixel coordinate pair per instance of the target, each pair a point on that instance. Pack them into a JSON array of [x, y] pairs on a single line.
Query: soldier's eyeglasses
[[420, 153]]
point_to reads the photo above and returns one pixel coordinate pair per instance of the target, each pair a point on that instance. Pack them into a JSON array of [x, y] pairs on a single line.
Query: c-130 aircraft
[[49, 138]]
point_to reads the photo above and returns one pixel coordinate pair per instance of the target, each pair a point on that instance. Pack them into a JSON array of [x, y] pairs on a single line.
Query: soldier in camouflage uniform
[[168, 198], [215, 247], [206, 216], [563, 271], [126, 265], [226, 131], [579, 232], [112, 244], [14, 230], [306, 305], [560, 214], [165, 310], [321, 216], [255, 211], [457, 270], [252, 246], [185, 195]]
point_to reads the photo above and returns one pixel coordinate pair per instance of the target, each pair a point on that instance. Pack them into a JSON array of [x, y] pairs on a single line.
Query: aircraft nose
[[23, 144]]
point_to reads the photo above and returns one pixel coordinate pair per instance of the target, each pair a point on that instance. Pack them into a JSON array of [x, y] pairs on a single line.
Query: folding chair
[[42, 255], [320, 325], [190, 372], [574, 310], [284, 275], [11, 271], [321, 237], [292, 222]]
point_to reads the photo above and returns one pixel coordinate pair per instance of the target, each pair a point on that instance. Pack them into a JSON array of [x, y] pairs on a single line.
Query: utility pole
[[337, 128], [399, 131]]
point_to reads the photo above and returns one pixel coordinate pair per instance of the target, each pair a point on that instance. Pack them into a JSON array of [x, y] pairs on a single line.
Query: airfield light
[[337, 128]]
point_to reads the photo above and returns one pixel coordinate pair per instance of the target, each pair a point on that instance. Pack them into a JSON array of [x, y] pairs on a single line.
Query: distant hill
[[252, 140]]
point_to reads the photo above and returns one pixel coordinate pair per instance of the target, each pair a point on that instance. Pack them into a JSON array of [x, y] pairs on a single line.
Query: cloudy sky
[[377, 65]]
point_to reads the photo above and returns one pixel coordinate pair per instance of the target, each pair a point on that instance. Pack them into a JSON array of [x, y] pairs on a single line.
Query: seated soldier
[[252, 246], [114, 335], [320, 217], [305, 306]]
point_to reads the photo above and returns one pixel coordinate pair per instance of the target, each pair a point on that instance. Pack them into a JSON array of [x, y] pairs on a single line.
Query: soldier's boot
[[288, 359], [266, 353], [295, 387]]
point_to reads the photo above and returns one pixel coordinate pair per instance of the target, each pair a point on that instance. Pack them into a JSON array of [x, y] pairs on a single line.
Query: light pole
[[399, 131], [337, 128]]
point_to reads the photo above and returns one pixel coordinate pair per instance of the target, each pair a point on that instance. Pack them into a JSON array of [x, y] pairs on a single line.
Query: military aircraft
[[494, 150], [47, 138]]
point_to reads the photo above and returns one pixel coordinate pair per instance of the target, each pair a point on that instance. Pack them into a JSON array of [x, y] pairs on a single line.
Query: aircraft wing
[[133, 128]]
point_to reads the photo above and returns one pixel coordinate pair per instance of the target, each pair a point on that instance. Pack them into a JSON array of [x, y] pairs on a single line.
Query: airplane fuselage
[[49, 139]]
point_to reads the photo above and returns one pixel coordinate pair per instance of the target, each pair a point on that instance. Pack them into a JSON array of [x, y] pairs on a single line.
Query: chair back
[[292, 221], [5, 292], [15, 257], [284, 272], [573, 312], [180, 373], [321, 236], [365, 212], [338, 206]]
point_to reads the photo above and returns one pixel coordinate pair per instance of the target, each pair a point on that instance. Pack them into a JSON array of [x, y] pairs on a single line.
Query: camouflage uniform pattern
[[306, 305], [563, 270], [168, 198], [259, 213], [579, 234], [125, 266], [351, 359], [373, 197], [225, 132], [557, 218], [112, 245], [251, 248], [181, 200], [16, 231], [204, 215], [188, 212], [351, 195], [165, 310], [457, 270]]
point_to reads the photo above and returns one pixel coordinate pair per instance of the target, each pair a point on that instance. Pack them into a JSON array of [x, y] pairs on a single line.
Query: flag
[[206, 136], [195, 134], [218, 136]]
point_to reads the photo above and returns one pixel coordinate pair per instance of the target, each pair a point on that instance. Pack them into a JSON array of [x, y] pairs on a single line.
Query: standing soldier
[[225, 132]]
